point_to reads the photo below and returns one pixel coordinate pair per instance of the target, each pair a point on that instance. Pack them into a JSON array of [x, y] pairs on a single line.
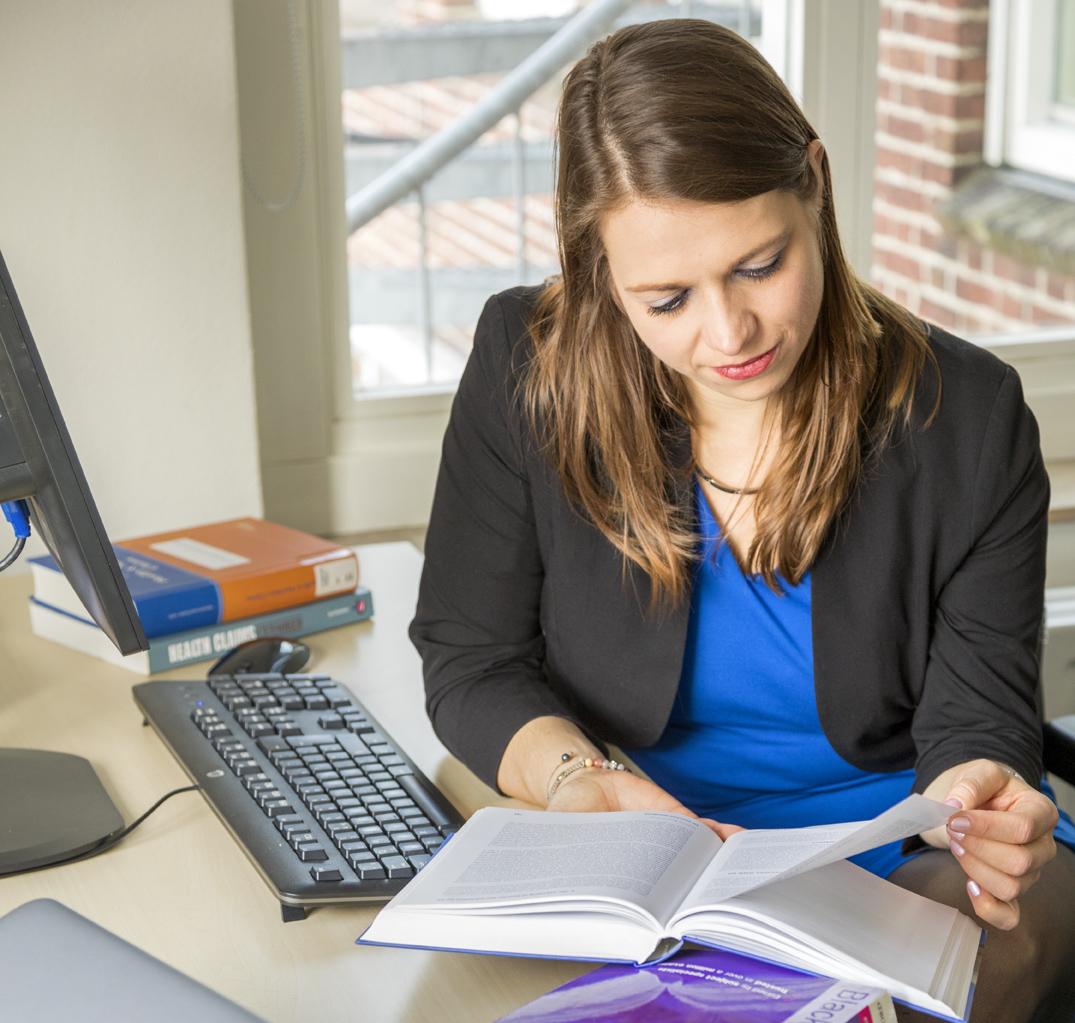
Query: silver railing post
[[519, 167], [425, 293]]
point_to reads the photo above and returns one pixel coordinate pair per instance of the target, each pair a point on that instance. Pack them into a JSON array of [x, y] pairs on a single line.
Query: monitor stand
[[52, 807]]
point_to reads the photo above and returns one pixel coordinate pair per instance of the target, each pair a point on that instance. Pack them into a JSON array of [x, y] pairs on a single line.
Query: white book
[[632, 887]]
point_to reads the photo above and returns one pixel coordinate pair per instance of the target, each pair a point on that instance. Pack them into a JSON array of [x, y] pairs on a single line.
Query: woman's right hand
[[594, 790]]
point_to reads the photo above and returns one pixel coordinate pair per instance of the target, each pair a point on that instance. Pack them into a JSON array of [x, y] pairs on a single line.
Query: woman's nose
[[728, 325]]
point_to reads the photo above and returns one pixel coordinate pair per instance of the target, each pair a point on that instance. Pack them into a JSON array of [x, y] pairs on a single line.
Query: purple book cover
[[706, 985]]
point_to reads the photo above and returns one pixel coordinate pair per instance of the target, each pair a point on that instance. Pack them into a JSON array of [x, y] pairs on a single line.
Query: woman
[[710, 498]]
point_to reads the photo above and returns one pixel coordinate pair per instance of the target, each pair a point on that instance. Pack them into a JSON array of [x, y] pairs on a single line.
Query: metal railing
[[411, 173], [408, 177]]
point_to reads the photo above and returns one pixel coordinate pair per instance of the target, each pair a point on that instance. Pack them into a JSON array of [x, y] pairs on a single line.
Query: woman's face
[[726, 294]]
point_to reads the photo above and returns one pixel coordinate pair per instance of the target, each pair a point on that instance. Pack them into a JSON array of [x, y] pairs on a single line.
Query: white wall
[[121, 223]]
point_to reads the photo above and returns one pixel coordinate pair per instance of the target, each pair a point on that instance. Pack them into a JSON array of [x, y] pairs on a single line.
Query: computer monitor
[[52, 806]]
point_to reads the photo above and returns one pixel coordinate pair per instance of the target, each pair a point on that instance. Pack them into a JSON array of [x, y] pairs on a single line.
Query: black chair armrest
[[1060, 748]]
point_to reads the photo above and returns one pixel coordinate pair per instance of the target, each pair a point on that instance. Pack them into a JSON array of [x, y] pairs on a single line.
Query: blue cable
[[18, 514]]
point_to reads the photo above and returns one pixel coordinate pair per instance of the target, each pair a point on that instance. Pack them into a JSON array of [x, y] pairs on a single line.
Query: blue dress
[[744, 744]]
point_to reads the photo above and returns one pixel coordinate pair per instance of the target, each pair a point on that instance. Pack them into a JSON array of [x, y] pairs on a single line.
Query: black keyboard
[[326, 806]]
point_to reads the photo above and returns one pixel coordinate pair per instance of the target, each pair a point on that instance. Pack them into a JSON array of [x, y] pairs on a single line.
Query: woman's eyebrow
[[779, 241]]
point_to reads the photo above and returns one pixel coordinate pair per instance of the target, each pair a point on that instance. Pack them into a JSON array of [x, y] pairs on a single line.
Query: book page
[[750, 859], [646, 861]]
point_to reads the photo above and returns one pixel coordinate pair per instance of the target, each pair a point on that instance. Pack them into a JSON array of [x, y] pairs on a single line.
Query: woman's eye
[[670, 305], [759, 273]]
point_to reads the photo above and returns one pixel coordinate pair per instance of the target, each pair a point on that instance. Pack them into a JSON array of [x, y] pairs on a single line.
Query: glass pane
[[1065, 53], [412, 319]]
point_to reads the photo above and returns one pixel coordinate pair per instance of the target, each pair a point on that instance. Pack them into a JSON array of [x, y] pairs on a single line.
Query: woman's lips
[[748, 369]]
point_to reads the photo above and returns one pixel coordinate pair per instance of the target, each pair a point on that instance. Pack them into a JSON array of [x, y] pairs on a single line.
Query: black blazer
[[927, 596]]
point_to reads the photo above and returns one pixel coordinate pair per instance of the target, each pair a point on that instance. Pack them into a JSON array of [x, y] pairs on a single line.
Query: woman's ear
[[815, 153]]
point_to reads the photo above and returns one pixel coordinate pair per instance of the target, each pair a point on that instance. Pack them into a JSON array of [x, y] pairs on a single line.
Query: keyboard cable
[[108, 842]]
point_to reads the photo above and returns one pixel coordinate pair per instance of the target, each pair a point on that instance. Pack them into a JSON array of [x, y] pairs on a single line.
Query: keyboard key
[[277, 806], [317, 702], [330, 722], [301, 742], [300, 838], [369, 871], [410, 849], [397, 866], [377, 841], [433, 844], [419, 860], [288, 820], [353, 745], [423, 830], [271, 744], [341, 838], [311, 852], [361, 858], [326, 874]]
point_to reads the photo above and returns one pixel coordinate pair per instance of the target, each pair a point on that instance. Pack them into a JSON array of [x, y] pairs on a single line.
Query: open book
[[631, 887]]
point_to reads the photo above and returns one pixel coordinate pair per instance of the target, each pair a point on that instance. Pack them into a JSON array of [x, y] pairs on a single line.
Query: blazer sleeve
[[980, 697], [477, 625]]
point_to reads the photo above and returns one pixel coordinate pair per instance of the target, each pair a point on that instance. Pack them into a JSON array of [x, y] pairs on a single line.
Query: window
[[1030, 116]]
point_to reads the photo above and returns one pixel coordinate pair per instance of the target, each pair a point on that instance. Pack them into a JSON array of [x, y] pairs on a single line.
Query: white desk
[[180, 888]]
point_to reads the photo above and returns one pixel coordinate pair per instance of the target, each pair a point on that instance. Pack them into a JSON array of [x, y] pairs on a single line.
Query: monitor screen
[[38, 464]]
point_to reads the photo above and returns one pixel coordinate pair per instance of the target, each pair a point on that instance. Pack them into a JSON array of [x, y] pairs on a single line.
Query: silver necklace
[[720, 486]]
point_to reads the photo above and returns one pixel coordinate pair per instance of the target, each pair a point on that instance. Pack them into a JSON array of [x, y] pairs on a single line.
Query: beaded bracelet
[[605, 765]]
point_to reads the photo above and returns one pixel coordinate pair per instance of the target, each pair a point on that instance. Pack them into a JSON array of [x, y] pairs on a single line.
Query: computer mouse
[[259, 656]]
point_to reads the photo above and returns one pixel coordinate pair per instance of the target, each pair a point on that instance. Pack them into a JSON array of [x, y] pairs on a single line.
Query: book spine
[[287, 586], [194, 645], [180, 649], [845, 1002]]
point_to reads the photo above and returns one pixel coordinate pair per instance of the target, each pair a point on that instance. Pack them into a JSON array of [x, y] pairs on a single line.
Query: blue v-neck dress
[[744, 744]]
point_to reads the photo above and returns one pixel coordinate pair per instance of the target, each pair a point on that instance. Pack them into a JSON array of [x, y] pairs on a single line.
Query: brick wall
[[930, 121], [416, 12]]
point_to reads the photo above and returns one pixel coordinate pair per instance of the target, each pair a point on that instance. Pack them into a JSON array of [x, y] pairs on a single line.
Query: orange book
[[255, 566]]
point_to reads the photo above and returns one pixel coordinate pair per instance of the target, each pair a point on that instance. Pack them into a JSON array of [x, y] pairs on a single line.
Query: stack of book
[[199, 592]]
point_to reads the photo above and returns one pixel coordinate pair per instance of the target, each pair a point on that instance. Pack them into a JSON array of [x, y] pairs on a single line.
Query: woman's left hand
[[1002, 835]]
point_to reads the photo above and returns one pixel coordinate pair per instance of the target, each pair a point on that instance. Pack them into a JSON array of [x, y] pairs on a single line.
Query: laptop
[[57, 966]]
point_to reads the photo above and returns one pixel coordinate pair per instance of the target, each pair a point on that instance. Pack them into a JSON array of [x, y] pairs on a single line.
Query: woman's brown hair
[[687, 110]]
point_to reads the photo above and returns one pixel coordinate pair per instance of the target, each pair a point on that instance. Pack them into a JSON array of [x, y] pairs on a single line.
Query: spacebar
[[417, 791]]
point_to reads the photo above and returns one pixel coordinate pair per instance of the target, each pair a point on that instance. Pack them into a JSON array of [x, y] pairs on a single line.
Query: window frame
[[1020, 130], [385, 447]]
